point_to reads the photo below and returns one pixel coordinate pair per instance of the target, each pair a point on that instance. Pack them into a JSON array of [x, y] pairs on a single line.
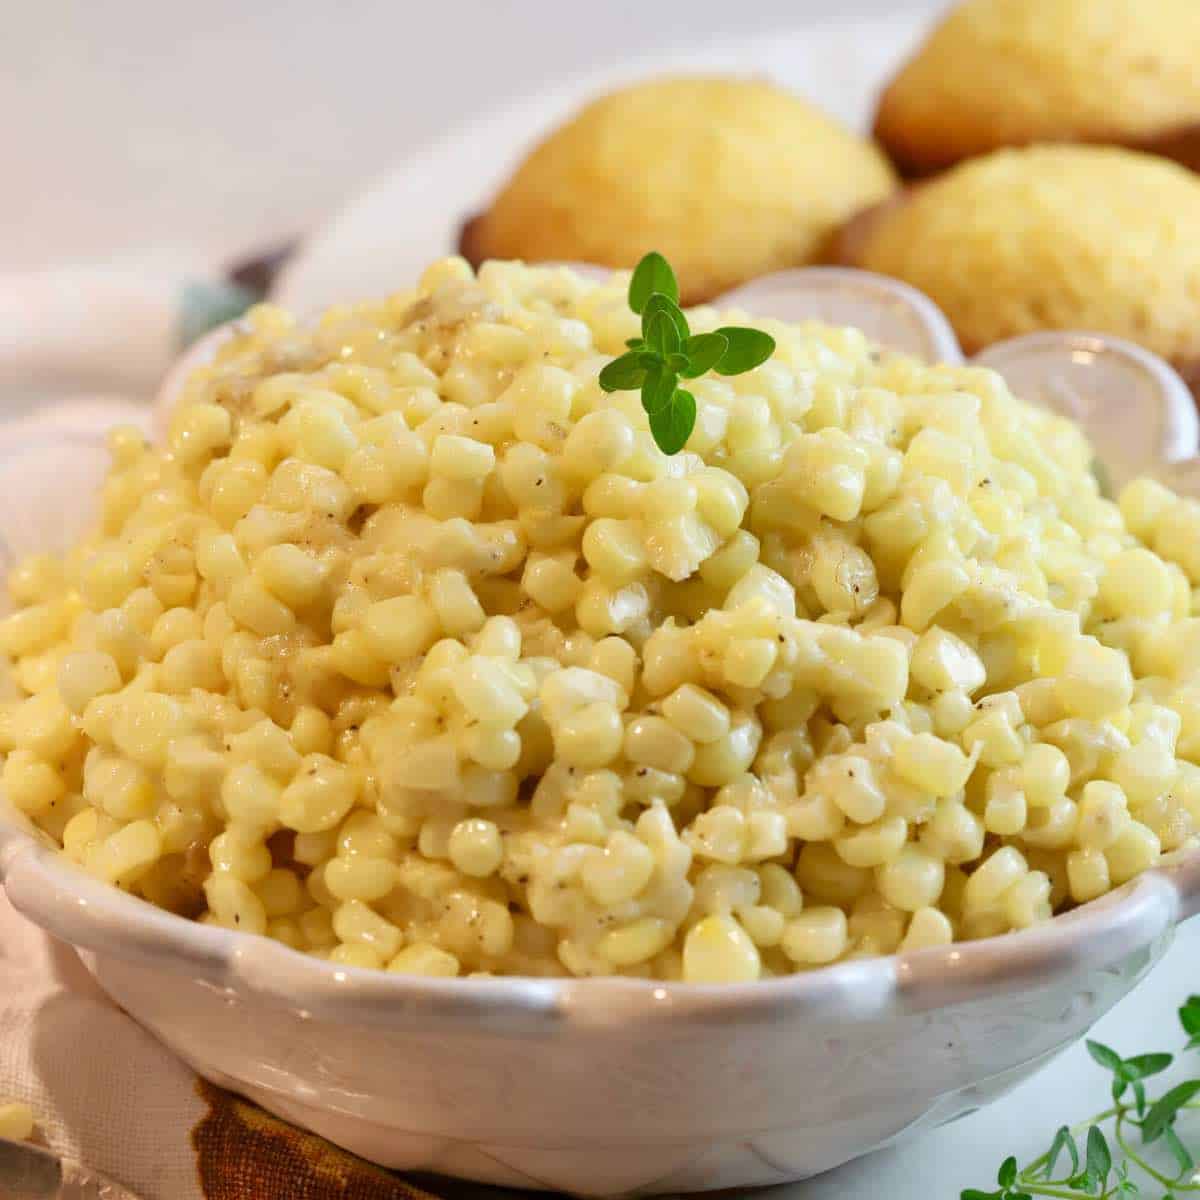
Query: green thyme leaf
[[1125, 1185], [703, 352], [652, 274], [1142, 1066], [662, 335], [658, 303], [1007, 1175], [1098, 1159], [635, 343], [1110, 1060], [658, 389], [626, 373], [1062, 1141], [1163, 1111], [976, 1194], [673, 425], [1189, 1017], [747, 349], [1181, 1154]]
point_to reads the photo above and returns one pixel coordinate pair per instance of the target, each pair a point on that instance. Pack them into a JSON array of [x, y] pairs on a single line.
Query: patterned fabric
[[243, 1153]]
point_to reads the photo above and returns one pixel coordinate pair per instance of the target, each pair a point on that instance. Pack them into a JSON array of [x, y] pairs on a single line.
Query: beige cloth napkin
[[108, 1095]]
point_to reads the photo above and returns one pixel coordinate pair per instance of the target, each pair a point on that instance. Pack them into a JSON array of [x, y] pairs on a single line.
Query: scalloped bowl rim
[[96, 917], [93, 916]]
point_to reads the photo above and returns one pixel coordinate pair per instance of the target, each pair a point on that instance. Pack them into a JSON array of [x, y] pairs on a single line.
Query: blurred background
[[139, 129]]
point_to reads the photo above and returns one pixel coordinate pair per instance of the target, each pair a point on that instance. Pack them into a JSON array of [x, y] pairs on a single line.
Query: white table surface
[[1071, 1089], [121, 139]]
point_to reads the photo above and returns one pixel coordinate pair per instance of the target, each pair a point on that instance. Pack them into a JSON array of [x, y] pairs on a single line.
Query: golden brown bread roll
[[1050, 237], [1012, 72], [729, 178]]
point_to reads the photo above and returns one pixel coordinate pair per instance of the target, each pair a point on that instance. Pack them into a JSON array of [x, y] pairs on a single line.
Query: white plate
[[382, 240]]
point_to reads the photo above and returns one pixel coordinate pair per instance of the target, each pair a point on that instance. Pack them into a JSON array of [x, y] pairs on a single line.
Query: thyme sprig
[[668, 351], [1095, 1168]]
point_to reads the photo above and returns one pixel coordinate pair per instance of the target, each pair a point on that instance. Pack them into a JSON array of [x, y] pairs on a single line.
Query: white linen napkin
[[108, 1095], [103, 1091]]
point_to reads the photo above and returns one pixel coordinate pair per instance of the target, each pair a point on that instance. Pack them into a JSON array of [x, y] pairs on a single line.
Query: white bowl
[[609, 1087]]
